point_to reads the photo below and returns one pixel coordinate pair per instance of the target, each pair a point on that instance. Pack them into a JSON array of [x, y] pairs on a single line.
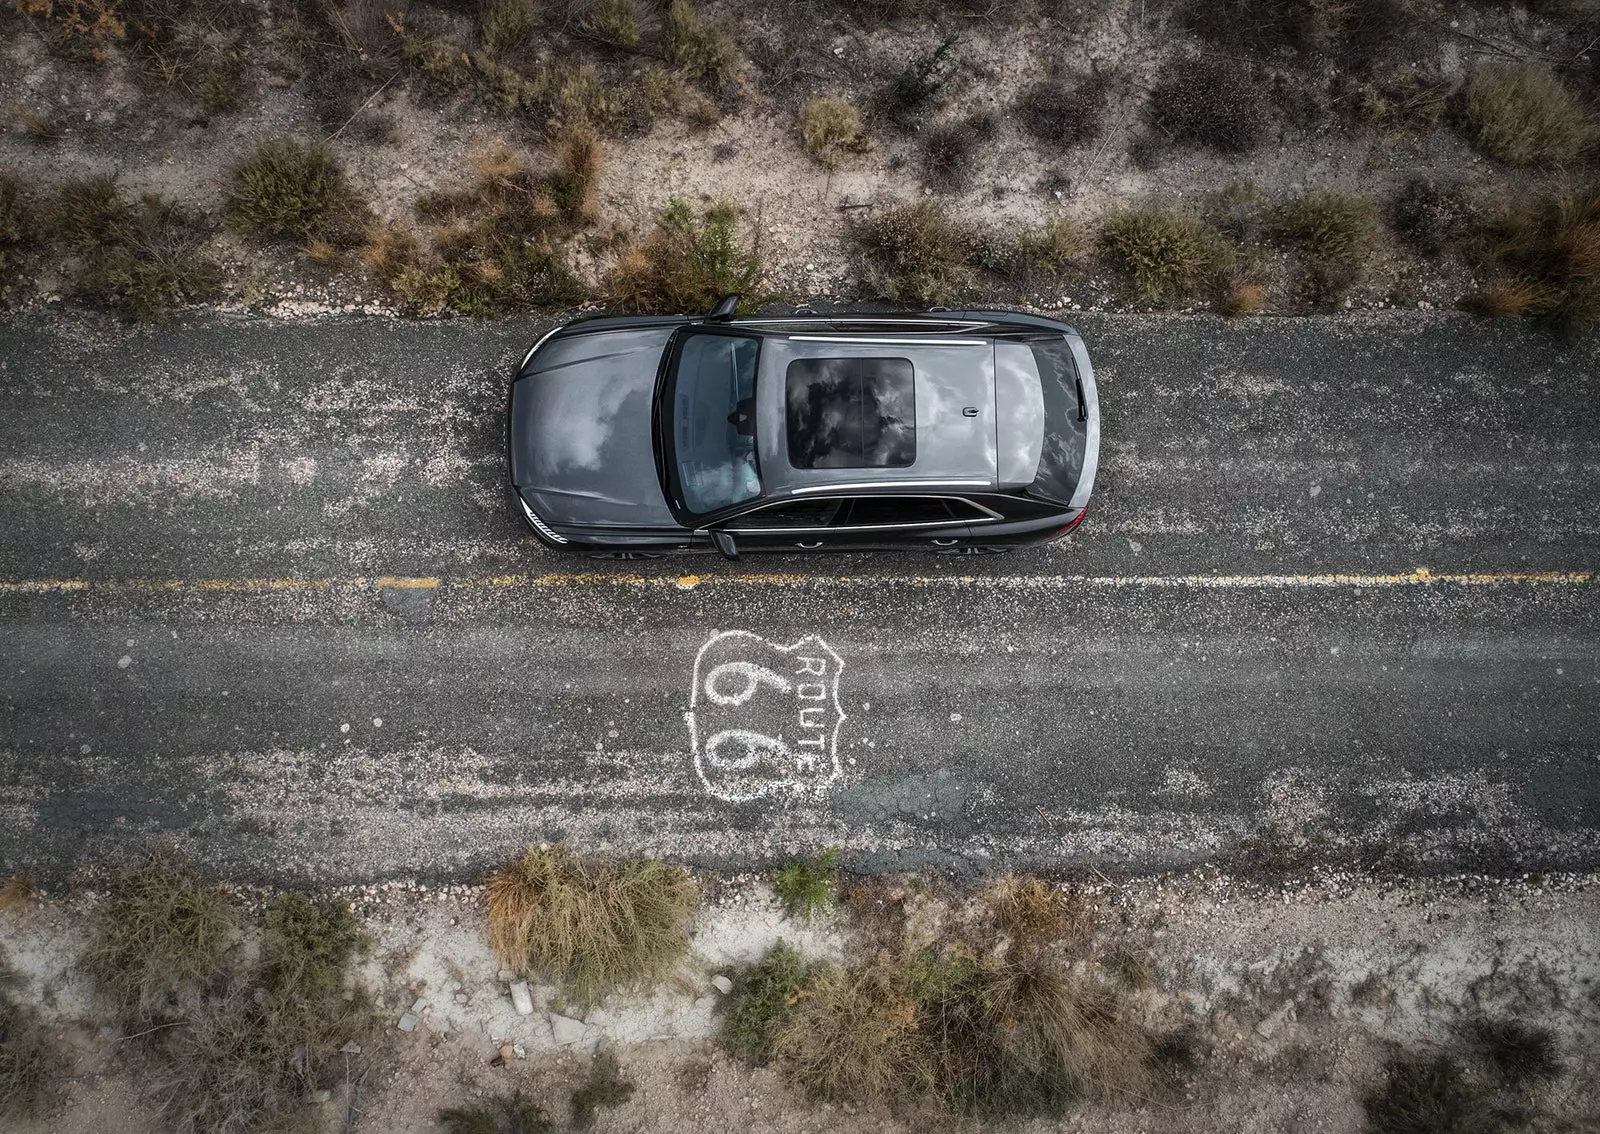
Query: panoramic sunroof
[[851, 413]]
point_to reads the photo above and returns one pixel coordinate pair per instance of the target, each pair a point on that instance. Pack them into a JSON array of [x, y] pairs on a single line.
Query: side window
[[867, 511], [789, 514]]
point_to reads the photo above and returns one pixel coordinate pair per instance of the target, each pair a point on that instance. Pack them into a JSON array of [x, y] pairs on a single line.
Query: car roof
[[953, 396]]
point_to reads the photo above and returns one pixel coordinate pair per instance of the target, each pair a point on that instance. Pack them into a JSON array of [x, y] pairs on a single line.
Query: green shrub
[[829, 127], [507, 25], [1165, 254], [19, 232], [1519, 1053], [917, 253], [808, 886], [307, 946], [296, 191], [613, 21], [1333, 234], [159, 939], [503, 1114], [688, 262], [1211, 102], [1522, 114], [704, 53], [762, 999], [590, 924], [920, 84]]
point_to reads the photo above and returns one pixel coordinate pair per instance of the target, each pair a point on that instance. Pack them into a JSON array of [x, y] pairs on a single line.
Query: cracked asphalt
[[262, 593]]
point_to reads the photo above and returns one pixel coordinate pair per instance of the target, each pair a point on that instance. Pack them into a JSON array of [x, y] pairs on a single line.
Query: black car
[[949, 431]]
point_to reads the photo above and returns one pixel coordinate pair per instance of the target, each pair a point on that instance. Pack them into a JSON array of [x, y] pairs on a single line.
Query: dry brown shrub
[[1034, 913], [1242, 297]]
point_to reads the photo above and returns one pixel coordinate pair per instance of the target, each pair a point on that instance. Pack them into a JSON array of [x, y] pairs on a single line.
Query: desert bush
[[306, 947], [762, 998], [1333, 234], [1518, 1053], [1433, 216], [1064, 115], [159, 939], [855, 1034], [916, 253], [575, 177], [950, 152], [920, 84], [705, 53], [1358, 32], [503, 1114], [604, 1087], [193, 46], [1165, 254], [808, 886], [296, 191], [590, 924], [507, 25], [1522, 114], [688, 262], [830, 127], [1430, 1096], [374, 30], [1211, 102], [27, 1059], [1242, 297], [1032, 912], [615, 22], [1046, 253]]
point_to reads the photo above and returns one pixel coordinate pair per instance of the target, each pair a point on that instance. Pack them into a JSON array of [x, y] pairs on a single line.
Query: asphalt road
[[261, 592]]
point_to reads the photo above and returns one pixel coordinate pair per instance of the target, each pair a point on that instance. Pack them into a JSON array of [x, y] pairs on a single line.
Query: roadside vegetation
[[590, 925], [227, 1046], [808, 886], [688, 260], [28, 1081]]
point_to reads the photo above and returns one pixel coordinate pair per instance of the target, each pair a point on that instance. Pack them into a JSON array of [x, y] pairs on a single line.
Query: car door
[[852, 523]]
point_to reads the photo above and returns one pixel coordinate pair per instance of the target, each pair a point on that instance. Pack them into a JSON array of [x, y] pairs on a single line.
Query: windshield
[[713, 422]]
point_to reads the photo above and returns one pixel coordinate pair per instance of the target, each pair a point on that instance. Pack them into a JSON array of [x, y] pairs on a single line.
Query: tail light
[[1074, 522]]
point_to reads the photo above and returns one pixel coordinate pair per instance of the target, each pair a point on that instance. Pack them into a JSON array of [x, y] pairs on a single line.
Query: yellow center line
[[1421, 576]]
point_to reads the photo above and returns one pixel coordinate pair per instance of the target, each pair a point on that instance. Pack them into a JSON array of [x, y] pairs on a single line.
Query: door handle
[[809, 546], [945, 542]]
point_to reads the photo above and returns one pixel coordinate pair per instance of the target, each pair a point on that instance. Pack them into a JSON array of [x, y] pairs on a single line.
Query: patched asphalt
[[1332, 603]]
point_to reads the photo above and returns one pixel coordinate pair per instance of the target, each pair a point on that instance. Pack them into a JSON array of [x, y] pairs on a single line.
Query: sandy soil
[[154, 141], [1296, 992]]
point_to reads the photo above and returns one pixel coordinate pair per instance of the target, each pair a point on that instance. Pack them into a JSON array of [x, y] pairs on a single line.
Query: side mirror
[[725, 544], [724, 310]]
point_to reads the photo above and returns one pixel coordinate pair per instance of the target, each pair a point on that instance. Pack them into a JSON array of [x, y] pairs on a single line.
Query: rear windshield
[[851, 413], [1061, 460]]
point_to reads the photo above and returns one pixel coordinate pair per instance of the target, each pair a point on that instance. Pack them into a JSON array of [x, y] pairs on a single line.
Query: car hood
[[580, 430]]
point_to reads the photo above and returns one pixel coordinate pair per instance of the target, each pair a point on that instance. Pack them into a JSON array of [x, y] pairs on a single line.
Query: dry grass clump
[[855, 1034], [80, 30], [1522, 114], [194, 46], [1518, 1053], [296, 191], [1038, 257], [1033, 913], [704, 53], [1166, 254], [615, 22], [1333, 234], [159, 939], [507, 25], [831, 127], [808, 886], [1242, 297], [503, 1114], [499, 242], [590, 924], [1545, 256], [1065, 115], [27, 1059], [917, 252], [1211, 102], [688, 261]]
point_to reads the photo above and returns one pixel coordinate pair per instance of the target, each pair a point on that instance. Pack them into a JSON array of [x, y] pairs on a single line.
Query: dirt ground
[[1296, 995], [109, 119]]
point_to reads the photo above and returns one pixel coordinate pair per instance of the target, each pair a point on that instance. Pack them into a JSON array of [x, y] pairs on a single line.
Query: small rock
[[519, 1051], [566, 1030], [507, 975], [419, 1004], [463, 998], [408, 1021], [351, 1047], [722, 984], [322, 1095], [522, 998], [507, 1052], [124, 662]]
